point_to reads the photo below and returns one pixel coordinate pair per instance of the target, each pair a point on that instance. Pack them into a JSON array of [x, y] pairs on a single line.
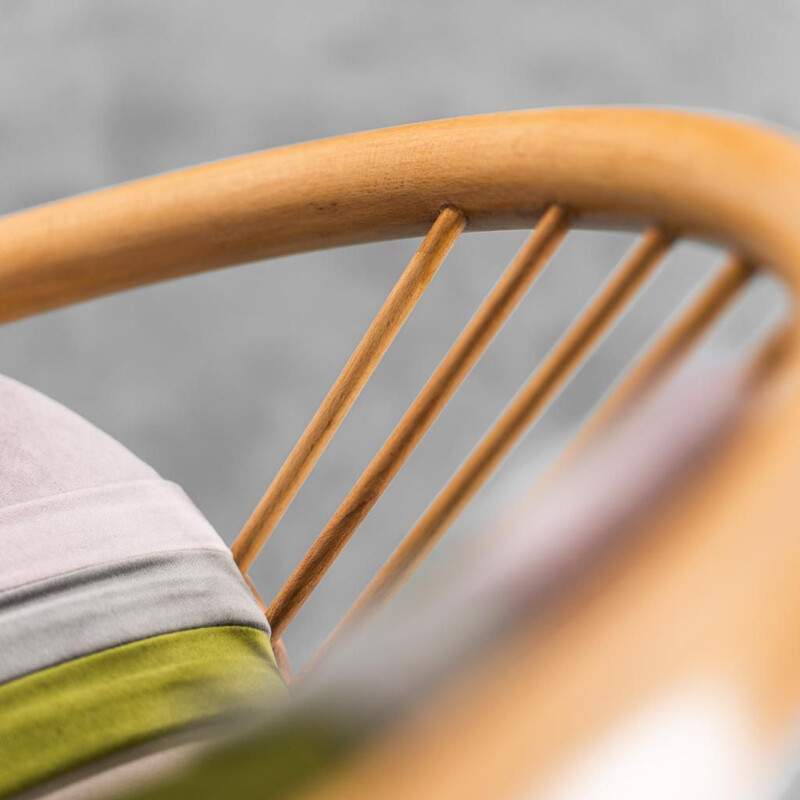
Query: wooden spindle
[[452, 370], [362, 363], [512, 424]]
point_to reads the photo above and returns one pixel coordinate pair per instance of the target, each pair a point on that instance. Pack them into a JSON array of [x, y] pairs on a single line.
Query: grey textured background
[[212, 379]]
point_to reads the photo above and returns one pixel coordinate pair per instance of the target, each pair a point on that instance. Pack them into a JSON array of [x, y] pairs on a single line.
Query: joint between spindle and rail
[[446, 228], [529, 403], [435, 394]]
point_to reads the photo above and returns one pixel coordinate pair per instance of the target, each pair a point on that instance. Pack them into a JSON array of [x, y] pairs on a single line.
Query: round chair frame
[[670, 174]]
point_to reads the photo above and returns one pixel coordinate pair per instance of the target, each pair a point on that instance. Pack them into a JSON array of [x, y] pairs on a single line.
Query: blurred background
[[212, 379]]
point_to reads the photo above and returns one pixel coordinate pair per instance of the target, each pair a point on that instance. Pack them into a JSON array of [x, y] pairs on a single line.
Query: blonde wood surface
[[282, 659], [352, 379], [669, 349], [654, 366], [452, 370], [708, 598], [698, 175], [513, 423], [711, 594]]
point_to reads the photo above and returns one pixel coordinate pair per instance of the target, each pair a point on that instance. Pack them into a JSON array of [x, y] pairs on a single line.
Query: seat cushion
[[123, 617]]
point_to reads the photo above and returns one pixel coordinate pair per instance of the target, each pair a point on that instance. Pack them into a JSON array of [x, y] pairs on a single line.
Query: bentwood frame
[[669, 174]]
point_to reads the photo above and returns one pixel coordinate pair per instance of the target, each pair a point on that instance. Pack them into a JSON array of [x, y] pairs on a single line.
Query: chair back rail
[[670, 175]]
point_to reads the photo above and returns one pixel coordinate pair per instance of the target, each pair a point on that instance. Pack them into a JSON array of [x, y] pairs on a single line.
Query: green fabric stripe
[[281, 762], [60, 718]]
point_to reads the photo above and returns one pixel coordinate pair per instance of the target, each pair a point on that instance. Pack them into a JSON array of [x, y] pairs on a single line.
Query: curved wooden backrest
[[670, 175], [697, 175]]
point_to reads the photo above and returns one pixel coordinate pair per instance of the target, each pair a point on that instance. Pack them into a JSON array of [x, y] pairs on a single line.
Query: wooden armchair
[[712, 594]]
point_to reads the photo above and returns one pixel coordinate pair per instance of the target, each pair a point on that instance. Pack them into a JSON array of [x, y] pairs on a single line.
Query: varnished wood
[[282, 659], [698, 175], [656, 364], [706, 601], [513, 423], [455, 366], [713, 593], [352, 379], [670, 347]]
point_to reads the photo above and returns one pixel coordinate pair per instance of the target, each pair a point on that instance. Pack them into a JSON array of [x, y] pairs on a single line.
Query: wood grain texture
[[698, 175], [667, 613], [706, 600], [513, 423], [669, 349], [352, 379], [447, 377]]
